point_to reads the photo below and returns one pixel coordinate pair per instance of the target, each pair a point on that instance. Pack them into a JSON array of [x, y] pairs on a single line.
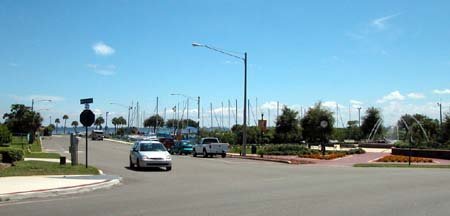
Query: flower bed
[[330, 156], [403, 159]]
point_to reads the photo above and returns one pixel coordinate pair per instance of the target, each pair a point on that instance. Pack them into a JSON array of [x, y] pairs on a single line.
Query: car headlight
[[168, 157], [145, 157]]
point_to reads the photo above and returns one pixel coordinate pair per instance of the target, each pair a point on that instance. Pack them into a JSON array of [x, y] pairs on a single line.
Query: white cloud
[[272, 105], [414, 95], [105, 70], [103, 49], [395, 95], [97, 112], [381, 22], [443, 91]]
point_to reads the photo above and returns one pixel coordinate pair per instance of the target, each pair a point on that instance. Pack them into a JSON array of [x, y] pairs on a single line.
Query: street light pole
[[359, 116], [244, 126]]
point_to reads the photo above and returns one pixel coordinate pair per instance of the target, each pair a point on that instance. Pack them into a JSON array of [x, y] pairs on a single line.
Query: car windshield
[[152, 147]]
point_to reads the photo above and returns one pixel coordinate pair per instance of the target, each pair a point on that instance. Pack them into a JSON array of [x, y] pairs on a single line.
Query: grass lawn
[[42, 155], [22, 143], [390, 165], [29, 168]]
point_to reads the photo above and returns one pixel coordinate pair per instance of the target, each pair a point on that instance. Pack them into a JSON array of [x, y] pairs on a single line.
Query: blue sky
[[393, 55]]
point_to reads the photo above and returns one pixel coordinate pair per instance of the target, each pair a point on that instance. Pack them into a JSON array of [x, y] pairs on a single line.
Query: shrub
[[5, 135], [356, 151], [10, 155], [330, 156], [286, 149]]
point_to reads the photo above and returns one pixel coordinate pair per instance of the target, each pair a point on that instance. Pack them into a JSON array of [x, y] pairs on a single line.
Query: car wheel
[[131, 164], [168, 168], [205, 154], [224, 155], [194, 153], [138, 165]]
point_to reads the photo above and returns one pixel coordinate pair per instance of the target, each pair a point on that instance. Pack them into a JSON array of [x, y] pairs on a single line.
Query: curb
[[118, 141], [43, 193], [261, 159]]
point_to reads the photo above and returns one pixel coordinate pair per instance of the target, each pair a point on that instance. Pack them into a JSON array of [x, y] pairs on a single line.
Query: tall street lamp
[[244, 126], [198, 110], [37, 101], [129, 108]]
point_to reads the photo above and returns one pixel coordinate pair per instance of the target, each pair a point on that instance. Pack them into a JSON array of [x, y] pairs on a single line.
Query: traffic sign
[[87, 118], [87, 101]]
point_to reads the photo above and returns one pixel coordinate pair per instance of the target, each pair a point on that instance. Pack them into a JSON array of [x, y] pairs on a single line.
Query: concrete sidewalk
[[22, 187]]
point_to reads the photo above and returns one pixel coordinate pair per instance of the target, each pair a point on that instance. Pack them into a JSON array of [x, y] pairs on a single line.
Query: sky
[[392, 55]]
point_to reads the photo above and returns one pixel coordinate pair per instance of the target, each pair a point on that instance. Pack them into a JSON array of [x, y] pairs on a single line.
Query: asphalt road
[[216, 186]]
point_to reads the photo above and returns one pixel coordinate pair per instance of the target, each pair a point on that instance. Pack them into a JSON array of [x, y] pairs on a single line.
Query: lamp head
[[197, 45]]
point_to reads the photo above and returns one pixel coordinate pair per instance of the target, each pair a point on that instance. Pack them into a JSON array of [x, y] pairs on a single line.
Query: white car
[[150, 154]]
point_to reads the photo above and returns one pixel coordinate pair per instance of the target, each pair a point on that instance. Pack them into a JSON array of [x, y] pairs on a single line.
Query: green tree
[[353, 131], [122, 121], [57, 121], [287, 128], [5, 135], [312, 130], [188, 123], [170, 123], [75, 125], [115, 122], [445, 130], [154, 121], [431, 126], [98, 122], [369, 120], [252, 134], [65, 117], [22, 120]]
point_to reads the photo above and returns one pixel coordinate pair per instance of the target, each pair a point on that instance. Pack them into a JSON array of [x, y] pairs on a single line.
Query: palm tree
[[115, 122], [122, 121], [98, 122], [57, 122], [75, 125], [65, 117]]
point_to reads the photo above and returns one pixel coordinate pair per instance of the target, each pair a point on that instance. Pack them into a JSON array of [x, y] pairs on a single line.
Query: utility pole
[[198, 117], [440, 113], [229, 114], [221, 118], [256, 108], [211, 115], [268, 117], [236, 113], [359, 116], [248, 114], [157, 112], [278, 108]]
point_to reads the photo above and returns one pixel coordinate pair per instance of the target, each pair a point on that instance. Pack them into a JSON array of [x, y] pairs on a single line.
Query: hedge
[[10, 155]]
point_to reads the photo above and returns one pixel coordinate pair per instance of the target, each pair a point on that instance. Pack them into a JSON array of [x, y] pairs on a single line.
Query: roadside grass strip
[[401, 165], [30, 168], [42, 155]]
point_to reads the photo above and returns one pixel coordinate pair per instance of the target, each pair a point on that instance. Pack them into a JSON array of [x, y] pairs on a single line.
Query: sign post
[[87, 118]]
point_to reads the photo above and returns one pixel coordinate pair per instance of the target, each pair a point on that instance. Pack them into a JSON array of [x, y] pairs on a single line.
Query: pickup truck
[[210, 146]]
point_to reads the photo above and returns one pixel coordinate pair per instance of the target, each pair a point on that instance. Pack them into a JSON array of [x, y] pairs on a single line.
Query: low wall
[[375, 145], [428, 153]]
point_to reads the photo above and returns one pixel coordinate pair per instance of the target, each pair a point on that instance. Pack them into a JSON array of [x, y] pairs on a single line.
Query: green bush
[[5, 135], [356, 151], [286, 149], [10, 155]]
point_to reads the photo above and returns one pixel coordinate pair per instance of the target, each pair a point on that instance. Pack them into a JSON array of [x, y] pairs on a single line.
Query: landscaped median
[[292, 153]]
